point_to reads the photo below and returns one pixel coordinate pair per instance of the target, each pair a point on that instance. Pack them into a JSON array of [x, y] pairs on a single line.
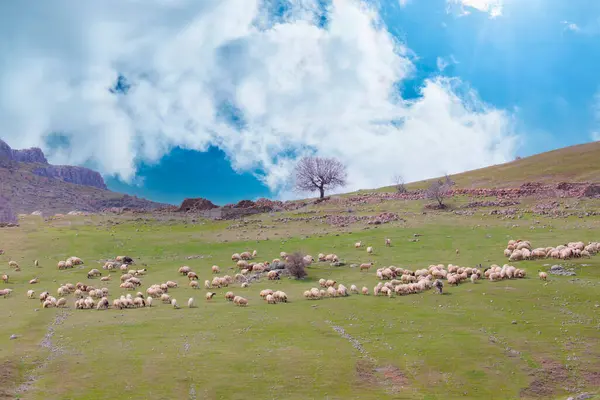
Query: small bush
[[296, 265]]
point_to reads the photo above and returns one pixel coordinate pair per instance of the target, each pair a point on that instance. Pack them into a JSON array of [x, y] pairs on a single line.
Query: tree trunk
[[322, 191]]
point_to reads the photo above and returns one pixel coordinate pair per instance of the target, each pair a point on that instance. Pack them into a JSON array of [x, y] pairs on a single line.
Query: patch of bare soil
[[546, 379], [8, 375], [365, 373], [592, 376], [389, 377], [393, 378]]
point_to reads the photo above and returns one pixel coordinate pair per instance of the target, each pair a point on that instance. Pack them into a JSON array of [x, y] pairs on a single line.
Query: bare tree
[[296, 264], [438, 191], [316, 173], [449, 182], [400, 184]]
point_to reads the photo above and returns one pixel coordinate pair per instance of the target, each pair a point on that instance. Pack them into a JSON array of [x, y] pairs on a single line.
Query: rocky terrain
[[28, 183]]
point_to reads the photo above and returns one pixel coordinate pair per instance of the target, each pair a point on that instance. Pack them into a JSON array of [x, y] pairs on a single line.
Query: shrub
[[296, 265]]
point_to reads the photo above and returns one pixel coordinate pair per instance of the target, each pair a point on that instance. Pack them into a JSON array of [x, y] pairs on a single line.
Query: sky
[[170, 99]]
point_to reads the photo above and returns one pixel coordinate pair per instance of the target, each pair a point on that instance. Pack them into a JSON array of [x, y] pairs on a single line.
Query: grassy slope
[[461, 345], [570, 164]]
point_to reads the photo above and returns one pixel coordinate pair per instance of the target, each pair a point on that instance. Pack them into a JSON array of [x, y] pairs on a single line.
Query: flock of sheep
[[518, 250], [393, 280]]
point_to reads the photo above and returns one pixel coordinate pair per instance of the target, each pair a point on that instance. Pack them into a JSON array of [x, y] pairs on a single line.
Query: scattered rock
[[560, 270]]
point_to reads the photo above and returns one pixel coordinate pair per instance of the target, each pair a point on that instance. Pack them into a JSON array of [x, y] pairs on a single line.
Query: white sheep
[[370, 250], [191, 303]]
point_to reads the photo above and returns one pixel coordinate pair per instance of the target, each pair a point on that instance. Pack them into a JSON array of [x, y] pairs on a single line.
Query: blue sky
[[217, 99]]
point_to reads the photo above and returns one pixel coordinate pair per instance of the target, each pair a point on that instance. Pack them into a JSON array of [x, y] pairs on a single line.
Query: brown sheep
[[366, 266]]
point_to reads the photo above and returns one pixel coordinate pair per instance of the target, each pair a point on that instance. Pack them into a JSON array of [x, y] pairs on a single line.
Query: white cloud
[[299, 88], [492, 7], [571, 26], [443, 62]]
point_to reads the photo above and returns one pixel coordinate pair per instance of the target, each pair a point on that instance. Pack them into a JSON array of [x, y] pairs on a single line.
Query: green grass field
[[521, 338]]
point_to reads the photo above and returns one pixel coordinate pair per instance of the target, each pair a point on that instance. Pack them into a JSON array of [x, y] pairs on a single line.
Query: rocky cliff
[[32, 155], [76, 175], [28, 183], [35, 155]]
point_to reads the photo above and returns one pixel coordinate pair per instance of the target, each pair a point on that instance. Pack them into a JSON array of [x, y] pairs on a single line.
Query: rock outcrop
[[32, 155], [29, 184], [76, 175], [198, 204]]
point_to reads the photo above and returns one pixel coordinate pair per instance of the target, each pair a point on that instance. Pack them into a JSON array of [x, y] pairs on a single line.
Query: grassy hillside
[[579, 163], [520, 338]]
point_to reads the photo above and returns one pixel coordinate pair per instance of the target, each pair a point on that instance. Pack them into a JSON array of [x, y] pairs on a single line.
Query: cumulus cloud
[[264, 88], [492, 7]]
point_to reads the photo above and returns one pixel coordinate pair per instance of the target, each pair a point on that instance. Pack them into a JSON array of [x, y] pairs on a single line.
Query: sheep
[[191, 303], [331, 291], [321, 257], [31, 294], [62, 265], [270, 299], [210, 295], [174, 304], [308, 259], [474, 278], [365, 266], [36, 263], [245, 255], [171, 284], [192, 276], [13, 264], [5, 292], [322, 282], [370, 250], [215, 269], [280, 296], [34, 281], [149, 301], [245, 284], [353, 289], [242, 302], [388, 242], [229, 296], [235, 257], [5, 278], [330, 283], [102, 304], [365, 291], [264, 293], [165, 298], [543, 276], [93, 273], [207, 284], [75, 260], [184, 270], [357, 245], [273, 275], [194, 285], [105, 278]]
